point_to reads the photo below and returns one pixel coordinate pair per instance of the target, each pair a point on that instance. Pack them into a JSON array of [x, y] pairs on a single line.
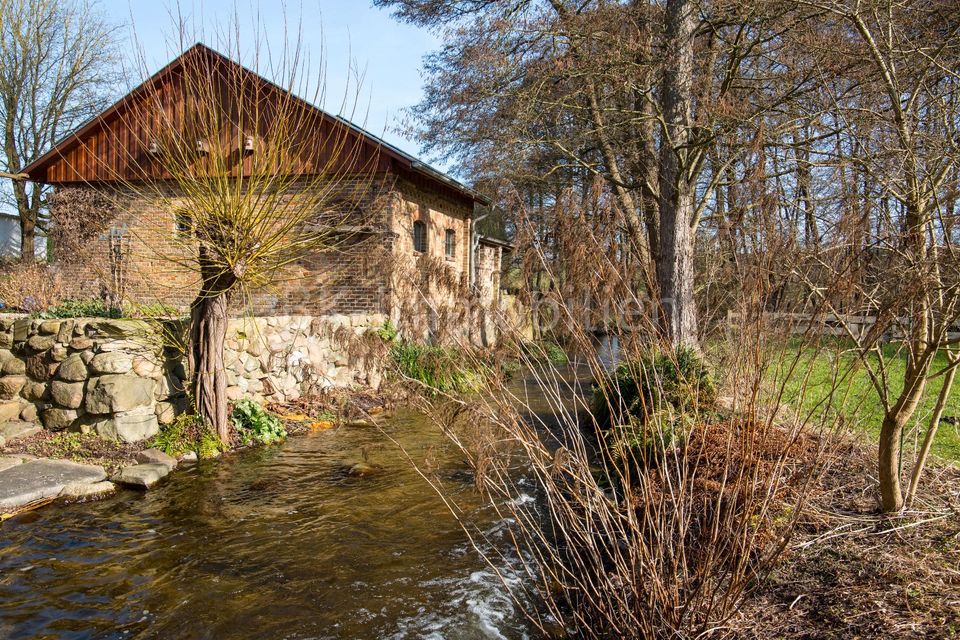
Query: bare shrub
[[643, 516], [30, 287]]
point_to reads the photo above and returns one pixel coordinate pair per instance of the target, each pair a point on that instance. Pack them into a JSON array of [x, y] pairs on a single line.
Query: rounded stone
[[83, 491], [67, 394], [41, 342], [123, 392], [81, 343], [111, 362], [10, 386], [14, 366], [73, 369], [38, 367], [58, 419], [35, 391], [29, 413], [49, 327]]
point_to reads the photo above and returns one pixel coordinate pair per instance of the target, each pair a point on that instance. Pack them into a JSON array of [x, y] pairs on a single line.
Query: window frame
[[419, 237], [182, 223], [450, 244]]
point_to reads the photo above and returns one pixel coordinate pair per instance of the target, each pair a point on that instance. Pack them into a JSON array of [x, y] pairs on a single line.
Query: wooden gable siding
[[114, 146]]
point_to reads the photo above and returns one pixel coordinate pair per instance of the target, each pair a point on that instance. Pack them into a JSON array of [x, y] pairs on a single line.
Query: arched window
[[419, 236]]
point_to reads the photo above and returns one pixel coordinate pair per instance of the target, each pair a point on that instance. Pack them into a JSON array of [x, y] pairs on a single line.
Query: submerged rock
[[361, 469], [142, 476]]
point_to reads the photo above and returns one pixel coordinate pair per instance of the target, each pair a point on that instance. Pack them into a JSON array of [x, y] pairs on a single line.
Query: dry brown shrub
[[30, 287]]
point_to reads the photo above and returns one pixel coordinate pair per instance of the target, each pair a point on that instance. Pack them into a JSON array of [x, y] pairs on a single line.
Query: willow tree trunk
[[675, 275], [208, 330]]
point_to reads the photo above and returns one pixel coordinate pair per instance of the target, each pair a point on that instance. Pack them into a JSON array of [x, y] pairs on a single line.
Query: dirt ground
[[851, 573]]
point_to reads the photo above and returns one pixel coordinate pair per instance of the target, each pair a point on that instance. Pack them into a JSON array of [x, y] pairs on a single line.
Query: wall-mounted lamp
[[248, 145], [202, 147], [153, 148]]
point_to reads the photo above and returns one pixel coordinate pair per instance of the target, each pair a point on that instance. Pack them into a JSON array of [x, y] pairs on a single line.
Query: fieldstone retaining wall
[[124, 378]]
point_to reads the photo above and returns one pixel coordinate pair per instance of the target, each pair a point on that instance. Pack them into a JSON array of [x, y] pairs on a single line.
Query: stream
[[276, 542]]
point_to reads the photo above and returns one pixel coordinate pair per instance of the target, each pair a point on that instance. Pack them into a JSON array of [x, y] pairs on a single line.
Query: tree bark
[[675, 269], [208, 330]]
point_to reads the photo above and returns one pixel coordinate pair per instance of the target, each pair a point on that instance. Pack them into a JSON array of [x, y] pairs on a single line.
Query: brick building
[[412, 257]]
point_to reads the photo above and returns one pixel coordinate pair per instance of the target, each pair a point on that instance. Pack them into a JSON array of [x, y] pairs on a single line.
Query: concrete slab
[[37, 479]]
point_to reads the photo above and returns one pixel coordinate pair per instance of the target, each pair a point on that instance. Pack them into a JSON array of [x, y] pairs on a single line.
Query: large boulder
[[115, 393], [128, 427], [72, 369]]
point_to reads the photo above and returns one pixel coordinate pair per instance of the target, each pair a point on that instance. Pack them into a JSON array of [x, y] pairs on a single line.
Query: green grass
[[439, 369], [837, 384]]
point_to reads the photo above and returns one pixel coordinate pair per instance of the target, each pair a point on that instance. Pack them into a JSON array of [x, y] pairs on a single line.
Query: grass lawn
[[831, 381]]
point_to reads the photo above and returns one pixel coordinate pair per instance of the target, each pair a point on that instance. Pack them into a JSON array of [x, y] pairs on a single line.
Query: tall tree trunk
[[208, 330], [28, 226], [675, 270]]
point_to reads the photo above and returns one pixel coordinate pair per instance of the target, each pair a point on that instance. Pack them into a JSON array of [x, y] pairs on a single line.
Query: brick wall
[[373, 270]]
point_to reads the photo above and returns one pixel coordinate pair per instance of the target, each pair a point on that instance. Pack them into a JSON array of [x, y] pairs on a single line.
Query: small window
[[420, 236], [183, 222], [450, 243]]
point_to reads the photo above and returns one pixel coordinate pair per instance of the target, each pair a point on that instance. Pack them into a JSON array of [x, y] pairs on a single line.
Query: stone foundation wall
[[124, 378]]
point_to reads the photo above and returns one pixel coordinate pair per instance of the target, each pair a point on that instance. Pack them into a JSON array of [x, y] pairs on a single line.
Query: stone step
[[142, 476], [33, 480]]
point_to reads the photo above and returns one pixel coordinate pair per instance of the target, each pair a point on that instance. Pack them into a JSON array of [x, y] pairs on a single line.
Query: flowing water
[[271, 543]]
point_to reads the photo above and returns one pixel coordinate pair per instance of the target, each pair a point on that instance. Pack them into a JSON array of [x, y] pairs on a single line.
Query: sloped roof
[[39, 170]]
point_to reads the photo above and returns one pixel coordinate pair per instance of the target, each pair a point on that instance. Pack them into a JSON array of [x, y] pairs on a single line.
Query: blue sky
[[349, 33]]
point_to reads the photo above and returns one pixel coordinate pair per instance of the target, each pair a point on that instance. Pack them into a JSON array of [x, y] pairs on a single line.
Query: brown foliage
[[30, 287]]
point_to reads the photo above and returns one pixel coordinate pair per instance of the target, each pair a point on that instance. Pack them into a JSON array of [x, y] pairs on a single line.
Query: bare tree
[[552, 94], [890, 78], [56, 58]]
